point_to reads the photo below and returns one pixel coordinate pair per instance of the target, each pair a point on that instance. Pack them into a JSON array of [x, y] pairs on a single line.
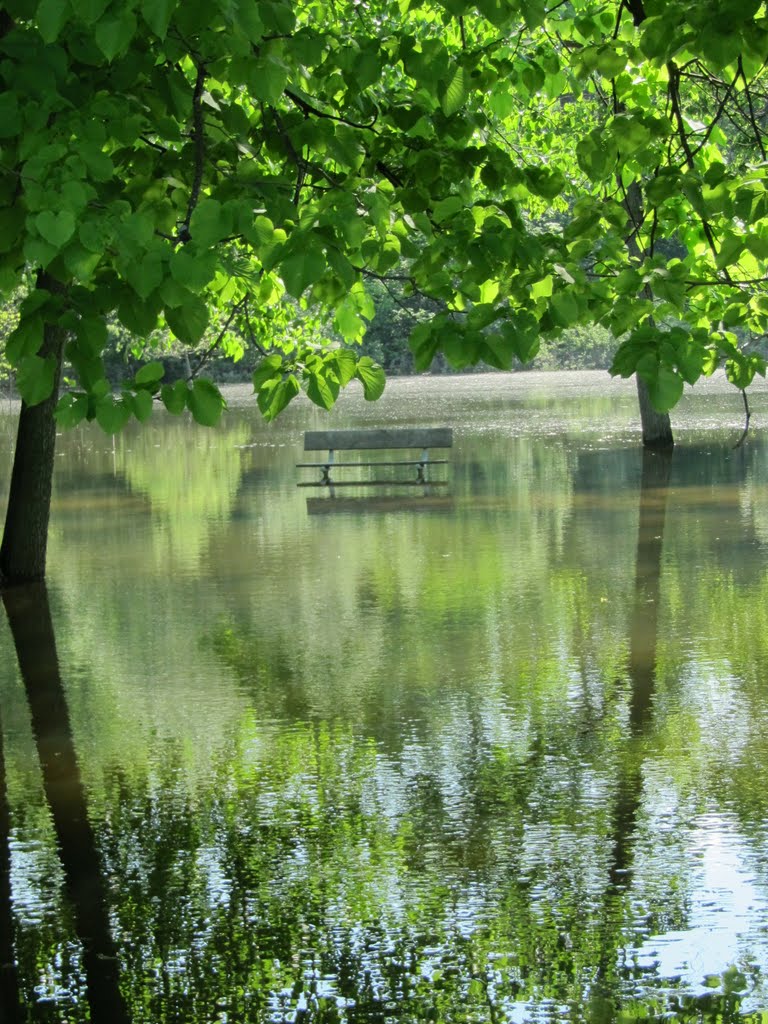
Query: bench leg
[[327, 468], [421, 469]]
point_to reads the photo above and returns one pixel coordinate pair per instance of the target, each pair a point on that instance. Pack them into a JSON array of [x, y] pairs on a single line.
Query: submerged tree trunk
[[656, 426], [25, 537]]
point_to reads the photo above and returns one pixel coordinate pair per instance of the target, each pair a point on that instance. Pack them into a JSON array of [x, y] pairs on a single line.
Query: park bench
[[385, 440]]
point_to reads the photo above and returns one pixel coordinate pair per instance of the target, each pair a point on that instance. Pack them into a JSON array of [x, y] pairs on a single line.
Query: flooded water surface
[[495, 751]]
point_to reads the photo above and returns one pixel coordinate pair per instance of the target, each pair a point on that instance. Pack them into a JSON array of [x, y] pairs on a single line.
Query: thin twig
[[309, 108], [752, 118], [217, 341], [674, 94], [249, 327]]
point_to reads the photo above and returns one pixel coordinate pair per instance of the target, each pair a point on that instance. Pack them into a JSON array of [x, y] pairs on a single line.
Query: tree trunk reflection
[[642, 650], [9, 982], [29, 617]]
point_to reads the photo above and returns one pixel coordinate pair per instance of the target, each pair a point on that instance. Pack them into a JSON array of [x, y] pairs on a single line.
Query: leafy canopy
[[183, 165]]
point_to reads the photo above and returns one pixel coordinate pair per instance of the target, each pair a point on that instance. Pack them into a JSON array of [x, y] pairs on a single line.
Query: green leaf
[[548, 184], [731, 247], [456, 92], [35, 378], [10, 115], [11, 219], [140, 404], [188, 322], [534, 13], [174, 396], [272, 400], [665, 388], [113, 34], [89, 10], [247, 17], [302, 268], [139, 317], [112, 414], [323, 389], [92, 334], [267, 78], [144, 275], [261, 233], [157, 14], [564, 308], [609, 61], [205, 402], [348, 322], [210, 222], [446, 208], [194, 270], [56, 228], [25, 340], [150, 373], [494, 351], [71, 409], [269, 368], [345, 365], [543, 288], [721, 48], [424, 342], [51, 16], [371, 376]]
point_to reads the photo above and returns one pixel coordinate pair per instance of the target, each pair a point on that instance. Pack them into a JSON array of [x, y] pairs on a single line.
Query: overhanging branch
[[198, 139]]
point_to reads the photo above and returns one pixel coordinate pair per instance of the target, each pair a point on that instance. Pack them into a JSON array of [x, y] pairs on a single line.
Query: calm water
[[495, 754]]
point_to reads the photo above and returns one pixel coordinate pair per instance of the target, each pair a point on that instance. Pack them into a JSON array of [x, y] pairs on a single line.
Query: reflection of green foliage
[[191, 488], [361, 767]]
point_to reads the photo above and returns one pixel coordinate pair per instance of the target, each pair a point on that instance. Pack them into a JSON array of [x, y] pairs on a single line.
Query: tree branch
[[217, 341], [674, 93], [309, 108], [719, 112], [752, 118], [249, 327], [198, 138]]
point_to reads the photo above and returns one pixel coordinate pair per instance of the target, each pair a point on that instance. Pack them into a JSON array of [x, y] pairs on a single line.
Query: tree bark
[[656, 426], [25, 537]]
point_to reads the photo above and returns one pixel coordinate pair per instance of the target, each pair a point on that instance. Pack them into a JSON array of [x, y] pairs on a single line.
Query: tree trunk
[[656, 426], [25, 538]]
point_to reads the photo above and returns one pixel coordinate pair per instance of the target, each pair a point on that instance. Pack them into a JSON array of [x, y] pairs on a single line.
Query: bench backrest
[[384, 437]]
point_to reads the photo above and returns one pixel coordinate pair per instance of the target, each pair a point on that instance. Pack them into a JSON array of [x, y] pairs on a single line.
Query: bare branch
[[752, 118], [217, 341], [309, 108]]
